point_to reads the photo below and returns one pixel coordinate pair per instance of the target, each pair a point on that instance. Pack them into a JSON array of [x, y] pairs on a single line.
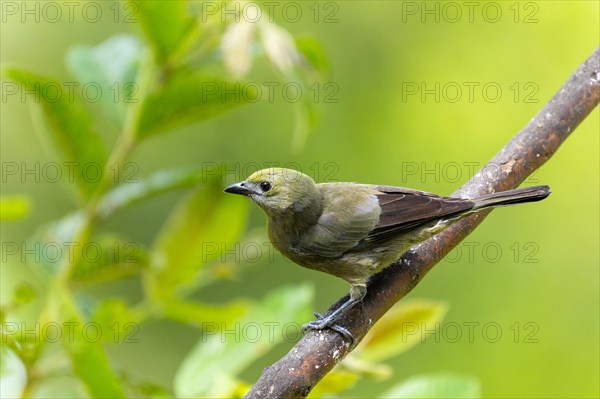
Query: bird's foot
[[327, 322]]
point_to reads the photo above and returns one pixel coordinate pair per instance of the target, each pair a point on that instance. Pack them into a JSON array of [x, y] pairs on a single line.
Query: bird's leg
[[357, 293]]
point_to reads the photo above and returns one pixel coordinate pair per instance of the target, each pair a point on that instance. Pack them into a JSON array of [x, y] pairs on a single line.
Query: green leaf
[[314, 54], [112, 311], [189, 96], [400, 329], [205, 220], [138, 386], [69, 123], [117, 321], [58, 386], [197, 314], [112, 67], [91, 365], [108, 258], [437, 386], [56, 241], [165, 24], [160, 182], [221, 355], [14, 207], [87, 355], [338, 380]]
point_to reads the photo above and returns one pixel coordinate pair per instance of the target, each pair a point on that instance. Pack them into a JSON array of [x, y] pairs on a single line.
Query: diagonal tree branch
[[294, 375]]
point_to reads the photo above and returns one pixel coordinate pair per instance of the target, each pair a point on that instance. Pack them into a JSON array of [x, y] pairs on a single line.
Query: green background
[[372, 134]]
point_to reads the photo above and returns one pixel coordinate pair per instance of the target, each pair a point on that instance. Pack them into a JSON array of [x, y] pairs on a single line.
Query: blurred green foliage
[[161, 91], [184, 269]]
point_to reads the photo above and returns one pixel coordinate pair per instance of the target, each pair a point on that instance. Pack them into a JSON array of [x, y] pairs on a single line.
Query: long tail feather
[[509, 197]]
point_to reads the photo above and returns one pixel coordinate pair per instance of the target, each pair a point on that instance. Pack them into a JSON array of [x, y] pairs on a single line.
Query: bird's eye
[[265, 186]]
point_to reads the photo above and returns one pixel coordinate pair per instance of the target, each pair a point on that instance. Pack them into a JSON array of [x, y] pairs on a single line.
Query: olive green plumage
[[352, 230]]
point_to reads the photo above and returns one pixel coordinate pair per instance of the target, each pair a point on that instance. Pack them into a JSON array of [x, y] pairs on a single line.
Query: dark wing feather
[[405, 209]]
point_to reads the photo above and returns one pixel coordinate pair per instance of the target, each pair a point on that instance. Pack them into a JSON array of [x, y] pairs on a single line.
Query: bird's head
[[279, 191]]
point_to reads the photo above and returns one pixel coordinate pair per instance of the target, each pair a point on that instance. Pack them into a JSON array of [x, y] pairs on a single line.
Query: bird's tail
[[509, 197]]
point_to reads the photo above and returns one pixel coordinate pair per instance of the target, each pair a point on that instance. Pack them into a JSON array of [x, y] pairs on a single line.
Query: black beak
[[238, 188]]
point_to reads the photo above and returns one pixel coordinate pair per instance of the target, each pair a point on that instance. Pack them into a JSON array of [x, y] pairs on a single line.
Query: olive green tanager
[[353, 230]]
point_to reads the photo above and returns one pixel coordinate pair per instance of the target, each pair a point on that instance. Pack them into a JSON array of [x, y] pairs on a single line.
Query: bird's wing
[[351, 211], [404, 209]]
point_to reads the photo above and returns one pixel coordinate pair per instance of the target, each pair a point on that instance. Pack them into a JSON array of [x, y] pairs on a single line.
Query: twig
[[294, 375]]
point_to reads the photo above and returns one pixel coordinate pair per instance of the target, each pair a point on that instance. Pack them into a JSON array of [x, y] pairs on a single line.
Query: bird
[[352, 230]]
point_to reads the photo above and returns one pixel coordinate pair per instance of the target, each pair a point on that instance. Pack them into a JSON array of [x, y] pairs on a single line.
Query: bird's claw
[[322, 323]]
